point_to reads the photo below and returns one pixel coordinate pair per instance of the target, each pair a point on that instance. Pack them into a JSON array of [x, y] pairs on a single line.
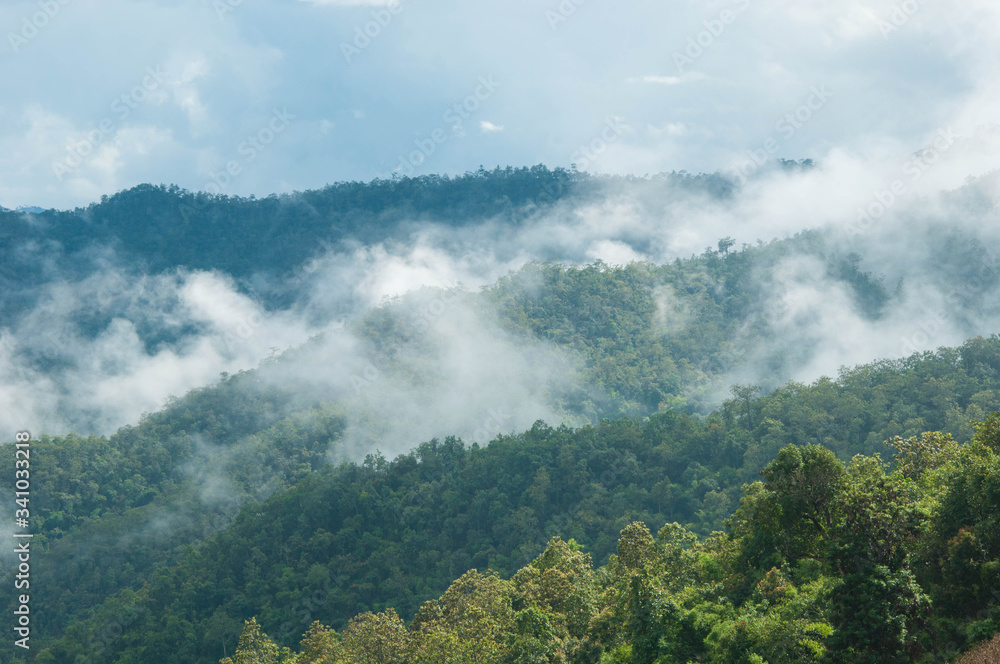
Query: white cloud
[[225, 75], [350, 3], [669, 80], [223, 78], [670, 129]]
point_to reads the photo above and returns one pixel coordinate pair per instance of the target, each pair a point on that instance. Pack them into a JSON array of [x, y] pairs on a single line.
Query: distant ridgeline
[[147, 561], [156, 228], [263, 243]]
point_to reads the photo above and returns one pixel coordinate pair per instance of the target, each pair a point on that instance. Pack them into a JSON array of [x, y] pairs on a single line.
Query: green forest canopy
[[344, 540], [823, 561]]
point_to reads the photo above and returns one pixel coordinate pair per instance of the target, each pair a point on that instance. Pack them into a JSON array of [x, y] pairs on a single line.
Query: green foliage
[[988, 432], [658, 337], [256, 648], [877, 614], [111, 511], [862, 553], [375, 639], [806, 482], [127, 521], [779, 623], [358, 538], [917, 455]]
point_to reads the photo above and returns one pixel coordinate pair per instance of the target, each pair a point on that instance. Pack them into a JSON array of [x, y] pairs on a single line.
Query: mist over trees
[[563, 459], [296, 369], [351, 538]]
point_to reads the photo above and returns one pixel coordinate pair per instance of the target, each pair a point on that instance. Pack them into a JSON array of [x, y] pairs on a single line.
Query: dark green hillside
[[224, 505], [395, 533], [823, 563], [651, 338], [110, 510], [157, 228], [658, 336]]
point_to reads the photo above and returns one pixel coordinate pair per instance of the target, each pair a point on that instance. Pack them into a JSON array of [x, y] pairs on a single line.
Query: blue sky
[[261, 96]]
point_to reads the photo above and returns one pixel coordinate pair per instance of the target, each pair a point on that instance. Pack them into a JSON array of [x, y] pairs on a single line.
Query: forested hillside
[[159, 228], [352, 538], [822, 562], [114, 509], [454, 429], [111, 295], [302, 361]]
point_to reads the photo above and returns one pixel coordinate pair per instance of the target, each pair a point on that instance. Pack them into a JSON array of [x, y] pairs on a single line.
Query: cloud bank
[[691, 86]]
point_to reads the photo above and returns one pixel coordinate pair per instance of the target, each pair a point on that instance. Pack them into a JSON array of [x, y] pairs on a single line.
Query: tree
[[320, 645], [807, 483], [878, 614], [746, 394], [636, 547], [918, 454], [560, 581], [376, 638], [256, 648], [878, 610], [988, 432], [468, 624]]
